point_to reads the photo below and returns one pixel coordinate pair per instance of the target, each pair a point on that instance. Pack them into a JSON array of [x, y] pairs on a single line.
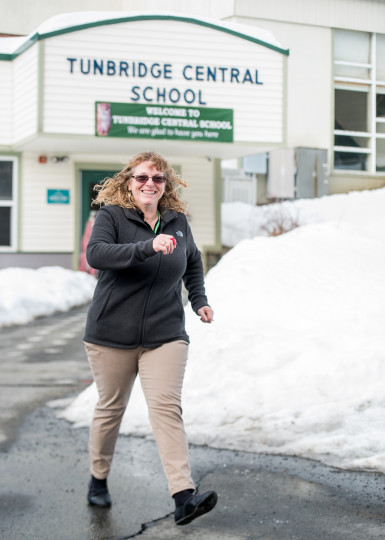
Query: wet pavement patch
[[44, 467], [45, 476]]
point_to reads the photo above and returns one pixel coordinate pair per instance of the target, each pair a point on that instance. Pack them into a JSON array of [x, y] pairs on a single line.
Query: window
[[359, 101], [8, 218]]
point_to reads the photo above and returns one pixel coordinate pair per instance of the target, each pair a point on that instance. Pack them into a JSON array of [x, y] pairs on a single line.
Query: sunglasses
[[143, 178]]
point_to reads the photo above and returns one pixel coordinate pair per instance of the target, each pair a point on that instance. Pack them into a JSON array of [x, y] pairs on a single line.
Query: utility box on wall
[[311, 177], [297, 173]]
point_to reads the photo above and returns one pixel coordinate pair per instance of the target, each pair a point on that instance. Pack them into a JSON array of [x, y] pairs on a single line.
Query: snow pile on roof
[[294, 362], [26, 293], [79, 18], [66, 20], [9, 45]]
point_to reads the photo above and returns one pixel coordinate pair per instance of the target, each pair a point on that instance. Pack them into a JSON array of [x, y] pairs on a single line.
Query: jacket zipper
[[147, 300], [146, 303]]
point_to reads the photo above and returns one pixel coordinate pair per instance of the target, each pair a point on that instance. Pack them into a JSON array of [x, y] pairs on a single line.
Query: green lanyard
[[157, 223]]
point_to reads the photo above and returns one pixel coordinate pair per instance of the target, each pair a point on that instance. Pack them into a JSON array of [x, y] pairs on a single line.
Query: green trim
[[23, 47], [36, 37]]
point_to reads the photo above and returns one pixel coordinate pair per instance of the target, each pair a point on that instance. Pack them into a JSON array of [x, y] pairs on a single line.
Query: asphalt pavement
[[44, 467]]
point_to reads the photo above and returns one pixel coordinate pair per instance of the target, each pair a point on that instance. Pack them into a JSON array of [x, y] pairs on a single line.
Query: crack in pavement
[[144, 527], [148, 525]]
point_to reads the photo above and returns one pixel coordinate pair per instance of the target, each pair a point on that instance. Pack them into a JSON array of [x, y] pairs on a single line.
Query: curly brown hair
[[116, 191]]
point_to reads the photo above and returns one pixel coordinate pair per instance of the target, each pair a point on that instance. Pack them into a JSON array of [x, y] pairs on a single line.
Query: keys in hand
[[164, 243]]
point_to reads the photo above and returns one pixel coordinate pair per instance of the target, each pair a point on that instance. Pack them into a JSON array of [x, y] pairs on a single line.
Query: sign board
[[163, 122], [198, 67], [58, 196]]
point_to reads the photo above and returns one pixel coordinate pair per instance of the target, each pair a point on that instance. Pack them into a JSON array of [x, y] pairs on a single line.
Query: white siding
[[364, 15], [309, 82], [199, 174], [46, 227], [70, 98], [26, 93], [51, 227], [6, 105]]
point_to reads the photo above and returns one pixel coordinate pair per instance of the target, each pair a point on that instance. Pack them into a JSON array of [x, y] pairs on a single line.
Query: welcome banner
[[163, 122]]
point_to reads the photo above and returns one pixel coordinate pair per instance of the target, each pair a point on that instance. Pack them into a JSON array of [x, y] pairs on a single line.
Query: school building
[[250, 100]]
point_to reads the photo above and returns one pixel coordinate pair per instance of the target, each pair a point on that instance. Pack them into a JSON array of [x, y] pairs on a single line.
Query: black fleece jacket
[[138, 300]]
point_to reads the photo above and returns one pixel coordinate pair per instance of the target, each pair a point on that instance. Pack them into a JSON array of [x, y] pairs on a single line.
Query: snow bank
[[26, 293], [295, 360], [242, 221]]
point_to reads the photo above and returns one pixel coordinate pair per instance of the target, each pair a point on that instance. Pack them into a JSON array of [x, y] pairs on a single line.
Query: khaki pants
[[161, 373]]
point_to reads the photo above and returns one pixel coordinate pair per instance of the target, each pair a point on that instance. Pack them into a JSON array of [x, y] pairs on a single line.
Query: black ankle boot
[[195, 506], [98, 494]]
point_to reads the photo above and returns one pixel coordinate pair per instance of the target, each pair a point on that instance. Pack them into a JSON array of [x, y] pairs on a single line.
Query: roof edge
[[104, 22]]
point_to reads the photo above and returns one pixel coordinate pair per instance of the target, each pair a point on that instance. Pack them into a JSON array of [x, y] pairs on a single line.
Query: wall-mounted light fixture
[[59, 159]]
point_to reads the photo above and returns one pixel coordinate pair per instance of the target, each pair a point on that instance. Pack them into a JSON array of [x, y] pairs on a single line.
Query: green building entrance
[[88, 180]]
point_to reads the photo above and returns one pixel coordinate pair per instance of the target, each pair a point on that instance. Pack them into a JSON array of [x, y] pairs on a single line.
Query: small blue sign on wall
[[58, 196]]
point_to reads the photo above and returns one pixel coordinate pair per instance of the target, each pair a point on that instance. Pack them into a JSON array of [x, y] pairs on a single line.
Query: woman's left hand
[[206, 314]]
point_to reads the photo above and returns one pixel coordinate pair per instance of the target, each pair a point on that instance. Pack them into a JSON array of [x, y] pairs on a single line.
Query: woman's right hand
[[164, 243]]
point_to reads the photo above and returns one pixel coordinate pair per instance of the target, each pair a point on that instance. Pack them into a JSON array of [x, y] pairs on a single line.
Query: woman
[[143, 248]]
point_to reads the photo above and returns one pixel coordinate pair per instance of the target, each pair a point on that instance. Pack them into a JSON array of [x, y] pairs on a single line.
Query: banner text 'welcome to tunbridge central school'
[[163, 122]]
